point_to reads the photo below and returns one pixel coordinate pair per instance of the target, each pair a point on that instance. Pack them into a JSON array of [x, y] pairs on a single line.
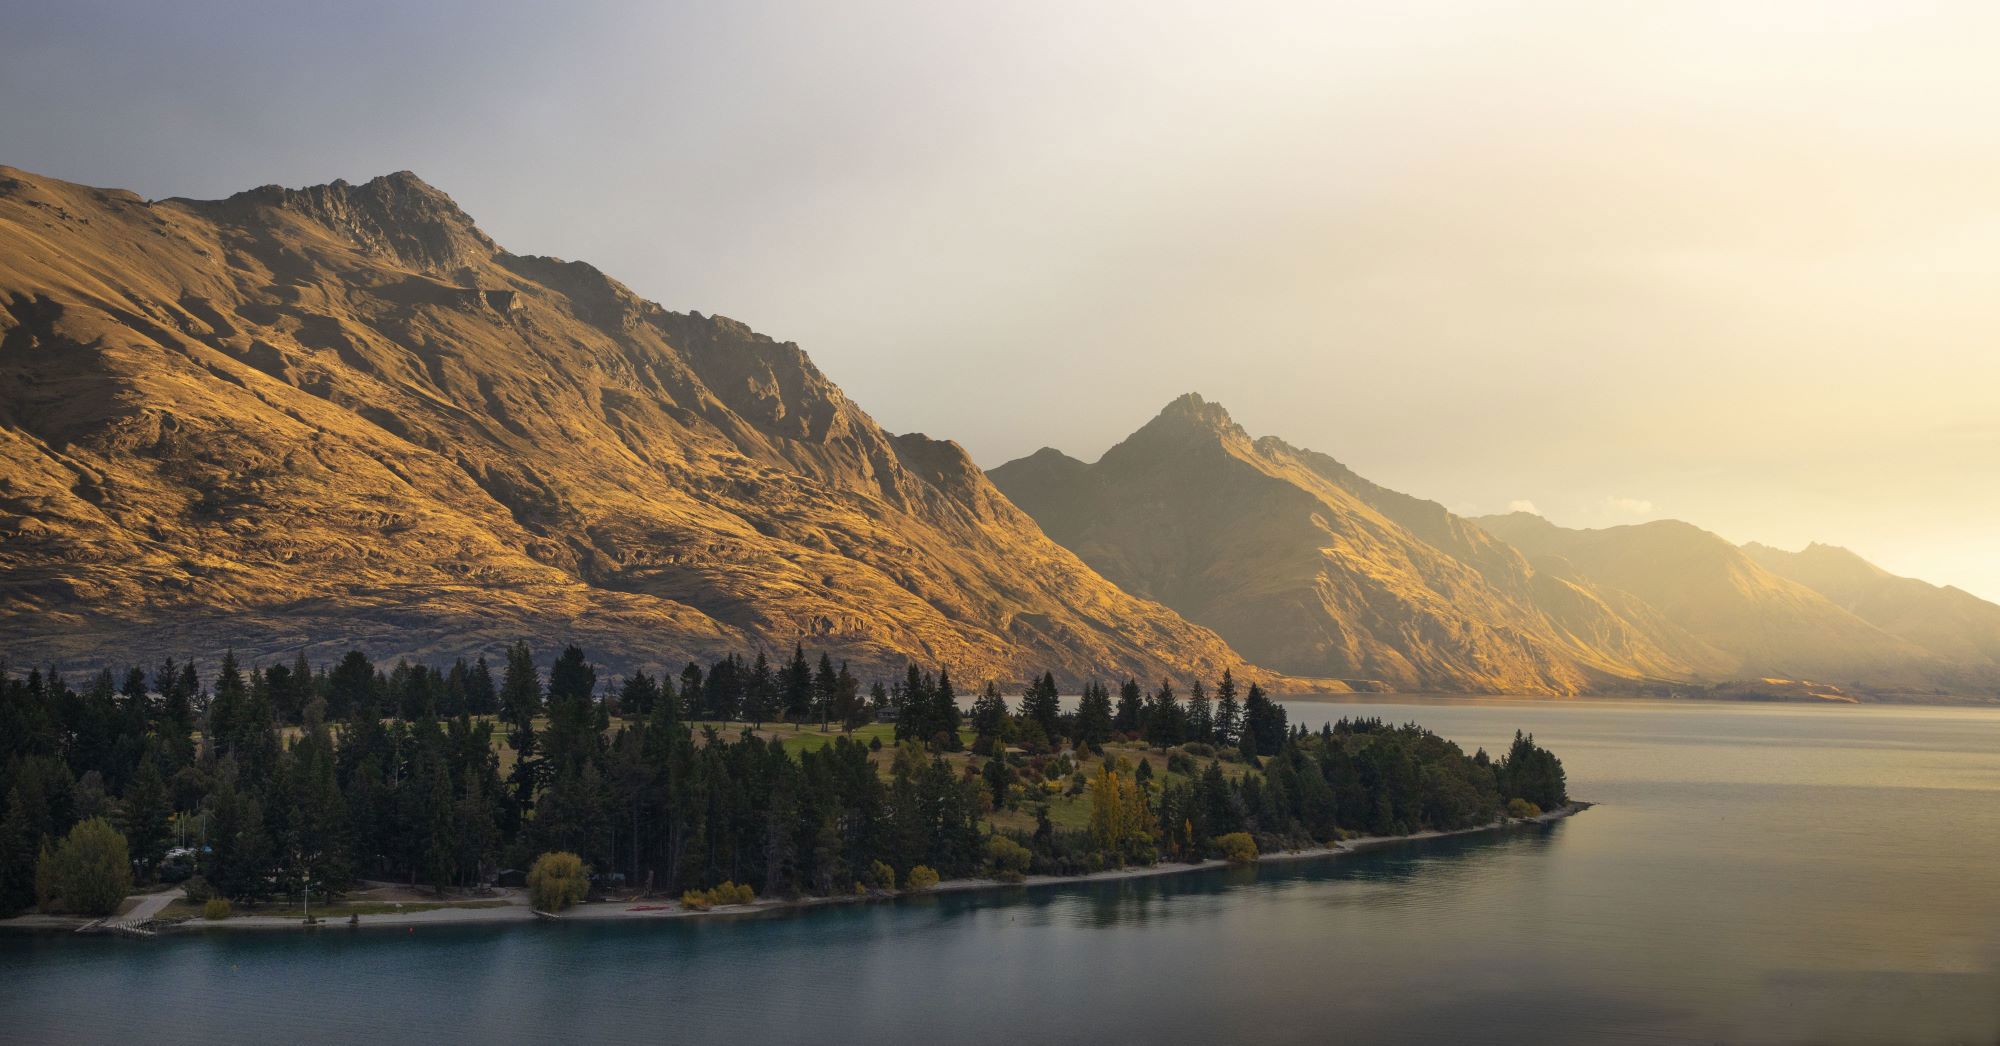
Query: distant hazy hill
[[1768, 623], [1948, 622], [299, 419], [1307, 568]]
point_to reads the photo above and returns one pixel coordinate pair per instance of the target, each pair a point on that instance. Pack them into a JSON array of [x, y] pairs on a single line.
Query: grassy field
[[1065, 810]]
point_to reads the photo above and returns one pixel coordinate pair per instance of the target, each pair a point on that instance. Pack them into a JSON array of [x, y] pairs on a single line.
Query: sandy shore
[[517, 910]]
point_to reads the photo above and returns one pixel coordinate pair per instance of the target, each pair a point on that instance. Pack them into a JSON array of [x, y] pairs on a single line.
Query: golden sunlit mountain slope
[[1949, 622], [1770, 625], [1307, 568], [343, 415]]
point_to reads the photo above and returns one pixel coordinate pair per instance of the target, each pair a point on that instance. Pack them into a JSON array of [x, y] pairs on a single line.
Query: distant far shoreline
[[518, 912], [1733, 697]]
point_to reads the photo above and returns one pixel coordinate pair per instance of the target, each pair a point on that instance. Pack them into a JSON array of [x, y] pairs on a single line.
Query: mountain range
[[342, 415], [308, 419], [1306, 567]]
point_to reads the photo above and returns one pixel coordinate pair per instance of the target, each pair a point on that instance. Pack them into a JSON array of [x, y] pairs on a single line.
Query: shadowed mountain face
[[1821, 614], [343, 415], [1308, 568]]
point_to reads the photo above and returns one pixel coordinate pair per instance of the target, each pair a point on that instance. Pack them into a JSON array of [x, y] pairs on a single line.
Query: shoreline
[[642, 909]]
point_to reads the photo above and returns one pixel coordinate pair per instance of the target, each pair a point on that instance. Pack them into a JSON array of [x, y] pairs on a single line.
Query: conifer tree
[[760, 693], [849, 707], [302, 689], [226, 709], [1042, 704], [722, 695], [692, 685], [1264, 728], [1164, 717], [826, 688], [1228, 715], [520, 703], [144, 813], [481, 697], [350, 686], [944, 715], [637, 695], [1200, 715], [573, 735], [1130, 718], [798, 687], [1093, 716], [136, 708], [989, 715]]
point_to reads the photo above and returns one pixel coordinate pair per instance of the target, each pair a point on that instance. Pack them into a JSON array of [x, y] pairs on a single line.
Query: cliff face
[[1308, 568], [308, 418]]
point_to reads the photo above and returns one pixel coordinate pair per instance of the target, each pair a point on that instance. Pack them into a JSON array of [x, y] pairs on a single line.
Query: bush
[[89, 873], [1518, 807], [726, 894], [197, 890], [217, 909], [556, 881], [880, 876], [1237, 847], [922, 877], [1009, 860]]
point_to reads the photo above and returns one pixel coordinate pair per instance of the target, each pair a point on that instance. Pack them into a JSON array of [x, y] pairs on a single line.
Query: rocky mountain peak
[[399, 215], [1189, 423], [1190, 409]]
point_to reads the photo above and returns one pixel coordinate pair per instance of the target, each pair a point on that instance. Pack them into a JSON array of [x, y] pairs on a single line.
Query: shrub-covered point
[[1356, 775], [297, 775]]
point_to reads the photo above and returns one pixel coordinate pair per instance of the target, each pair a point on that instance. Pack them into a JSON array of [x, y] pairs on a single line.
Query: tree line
[[289, 777]]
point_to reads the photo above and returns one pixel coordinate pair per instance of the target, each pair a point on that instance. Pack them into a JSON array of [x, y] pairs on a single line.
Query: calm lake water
[[1756, 873]]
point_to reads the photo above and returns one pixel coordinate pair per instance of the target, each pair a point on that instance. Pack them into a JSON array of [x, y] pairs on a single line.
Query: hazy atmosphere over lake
[[1725, 263]]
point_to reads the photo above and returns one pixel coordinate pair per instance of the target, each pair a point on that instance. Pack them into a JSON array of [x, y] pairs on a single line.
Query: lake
[[1755, 873]]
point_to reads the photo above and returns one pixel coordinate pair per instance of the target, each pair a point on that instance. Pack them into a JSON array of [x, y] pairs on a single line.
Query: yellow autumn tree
[[1119, 820]]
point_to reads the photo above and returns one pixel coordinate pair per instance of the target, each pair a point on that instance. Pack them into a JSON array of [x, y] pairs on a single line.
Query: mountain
[[1307, 568], [1768, 624], [304, 419], [1950, 623]]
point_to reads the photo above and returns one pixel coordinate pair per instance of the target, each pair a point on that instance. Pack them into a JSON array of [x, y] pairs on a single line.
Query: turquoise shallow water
[[1756, 873]]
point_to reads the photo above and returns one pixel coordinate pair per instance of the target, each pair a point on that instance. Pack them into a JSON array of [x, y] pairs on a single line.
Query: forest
[[259, 783]]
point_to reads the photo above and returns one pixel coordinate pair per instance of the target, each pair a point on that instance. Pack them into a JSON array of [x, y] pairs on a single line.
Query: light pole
[[305, 882]]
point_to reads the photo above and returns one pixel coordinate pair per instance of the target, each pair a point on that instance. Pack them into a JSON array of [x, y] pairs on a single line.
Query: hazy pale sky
[[1732, 263]]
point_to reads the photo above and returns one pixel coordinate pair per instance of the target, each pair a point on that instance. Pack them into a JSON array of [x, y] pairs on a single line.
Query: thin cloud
[[1629, 506], [1523, 505]]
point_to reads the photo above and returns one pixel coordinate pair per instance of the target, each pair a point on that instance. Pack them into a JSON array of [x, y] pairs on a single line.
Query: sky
[[1723, 262]]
